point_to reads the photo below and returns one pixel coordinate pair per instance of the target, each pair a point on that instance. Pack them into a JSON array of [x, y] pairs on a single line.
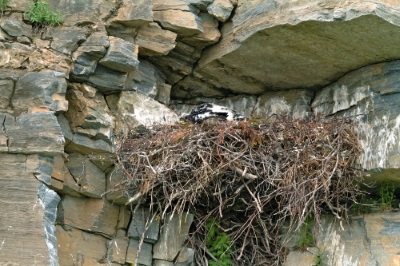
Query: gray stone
[[117, 247], [155, 41], [143, 253], [82, 13], [185, 257], [3, 136], [210, 34], [89, 115], [121, 56], [108, 81], [76, 247], [26, 215], [221, 9], [24, 40], [115, 193], [163, 93], [182, 22], [132, 109], [126, 33], [95, 45], [182, 5], [142, 225], [368, 240], [41, 126], [162, 263], [40, 90], [370, 96], [178, 63], [86, 56], [309, 48], [294, 103], [43, 168], [174, 233], [86, 145], [67, 39], [134, 14], [144, 79], [16, 28], [89, 177], [102, 217]]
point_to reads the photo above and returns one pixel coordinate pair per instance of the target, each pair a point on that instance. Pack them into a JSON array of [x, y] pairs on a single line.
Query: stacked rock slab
[[67, 92]]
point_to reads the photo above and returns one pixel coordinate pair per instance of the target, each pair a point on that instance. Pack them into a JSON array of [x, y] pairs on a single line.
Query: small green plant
[[305, 235], [387, 197], [363, 206], [218, 244], [41, 15], [3, 5], [319, 257]]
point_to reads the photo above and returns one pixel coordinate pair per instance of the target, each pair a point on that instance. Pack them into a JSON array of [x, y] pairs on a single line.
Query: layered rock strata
[[67, 92]]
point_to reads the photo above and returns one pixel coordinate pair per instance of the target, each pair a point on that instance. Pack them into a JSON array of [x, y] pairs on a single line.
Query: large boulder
[[268, 46]]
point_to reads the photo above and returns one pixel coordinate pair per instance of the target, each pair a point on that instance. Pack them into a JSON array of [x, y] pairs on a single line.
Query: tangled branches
[[253, 178]]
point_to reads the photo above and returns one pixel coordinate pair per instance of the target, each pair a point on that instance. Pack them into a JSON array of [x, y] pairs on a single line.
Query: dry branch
[[255, 177]]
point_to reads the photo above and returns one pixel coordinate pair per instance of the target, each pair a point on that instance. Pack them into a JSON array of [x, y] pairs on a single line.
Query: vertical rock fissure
[[49, 201]]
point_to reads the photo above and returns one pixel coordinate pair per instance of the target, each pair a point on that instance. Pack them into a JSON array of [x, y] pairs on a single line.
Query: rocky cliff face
[[66, 92]]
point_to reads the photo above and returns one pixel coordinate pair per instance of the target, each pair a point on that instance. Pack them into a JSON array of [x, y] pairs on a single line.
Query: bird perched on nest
[[212, 111]]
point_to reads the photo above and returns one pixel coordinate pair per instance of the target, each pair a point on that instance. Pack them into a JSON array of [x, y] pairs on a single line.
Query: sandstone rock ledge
[[275, 45]]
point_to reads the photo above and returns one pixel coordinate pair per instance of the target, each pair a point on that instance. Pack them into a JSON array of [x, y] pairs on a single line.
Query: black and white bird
[[210, 110]]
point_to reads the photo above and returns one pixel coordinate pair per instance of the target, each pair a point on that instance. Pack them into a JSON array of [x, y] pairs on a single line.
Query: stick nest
[[254, 178]]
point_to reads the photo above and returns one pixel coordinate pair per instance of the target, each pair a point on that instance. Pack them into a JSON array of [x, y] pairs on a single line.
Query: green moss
[[40, 15], [387, 196], [4, 4], [319, 257], [305, 235], [218, 244]]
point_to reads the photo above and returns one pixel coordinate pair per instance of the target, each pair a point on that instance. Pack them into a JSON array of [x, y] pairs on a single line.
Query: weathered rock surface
[[66, 40], [221, 9], [269, 46], [7, 89], [143, 226], [174, 233], [295, 103], [87, 55], [82, 12], [370, 95], [133, 109], [368, 240], [16, 28], [76, 247], [41, 126], [88, 113], [118, 247], [37, 90], [120, 56], [90, 179], [142, 255], [153, 40], [108, 81], [102, 218], [28, 212], [133, 14]]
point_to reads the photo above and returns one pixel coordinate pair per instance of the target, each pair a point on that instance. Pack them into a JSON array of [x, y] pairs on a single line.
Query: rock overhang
[[296, 44]]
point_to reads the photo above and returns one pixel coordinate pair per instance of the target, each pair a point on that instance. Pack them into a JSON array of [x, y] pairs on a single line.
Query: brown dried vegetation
[[252, 178]]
